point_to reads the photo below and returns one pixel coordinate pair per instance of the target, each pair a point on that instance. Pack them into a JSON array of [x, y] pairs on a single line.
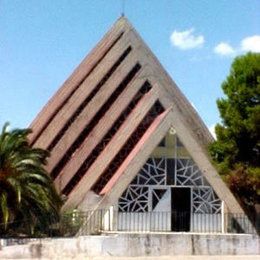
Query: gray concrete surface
[[138, 246], [199, 257]]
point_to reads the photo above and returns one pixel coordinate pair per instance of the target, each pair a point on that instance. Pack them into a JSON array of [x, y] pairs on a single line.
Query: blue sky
[[41, 42]]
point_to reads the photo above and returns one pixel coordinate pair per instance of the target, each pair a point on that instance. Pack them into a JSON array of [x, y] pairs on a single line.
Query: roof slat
[[84, 68], [125, 131], [99, 131], [84, 93], [90, 111], [159, 127]]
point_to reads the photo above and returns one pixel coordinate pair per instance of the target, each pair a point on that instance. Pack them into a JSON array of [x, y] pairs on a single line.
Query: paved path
[[199, 257]]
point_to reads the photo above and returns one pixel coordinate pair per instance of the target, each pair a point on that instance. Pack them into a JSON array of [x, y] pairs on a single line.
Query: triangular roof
[[119, 91]]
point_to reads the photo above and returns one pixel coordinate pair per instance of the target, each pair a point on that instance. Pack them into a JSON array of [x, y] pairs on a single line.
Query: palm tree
[[28, 199]]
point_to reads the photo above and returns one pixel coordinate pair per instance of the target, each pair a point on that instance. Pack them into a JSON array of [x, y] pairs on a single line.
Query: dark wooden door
[[180, 203]]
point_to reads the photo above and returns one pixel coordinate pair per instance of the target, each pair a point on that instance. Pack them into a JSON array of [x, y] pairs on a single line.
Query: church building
[[124, 138]]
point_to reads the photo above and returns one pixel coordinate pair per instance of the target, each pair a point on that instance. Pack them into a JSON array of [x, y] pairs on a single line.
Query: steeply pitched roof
[[106, 119]]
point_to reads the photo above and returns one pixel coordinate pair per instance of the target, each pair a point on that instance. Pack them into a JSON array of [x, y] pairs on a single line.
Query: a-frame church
[[121, 134]]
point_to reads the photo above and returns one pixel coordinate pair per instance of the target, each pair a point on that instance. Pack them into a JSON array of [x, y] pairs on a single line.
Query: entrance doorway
[[180, 209]]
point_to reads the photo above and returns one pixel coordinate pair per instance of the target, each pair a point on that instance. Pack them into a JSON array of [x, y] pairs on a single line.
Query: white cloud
[[251, 43], [212, 131], [224, 49], [186, 39]]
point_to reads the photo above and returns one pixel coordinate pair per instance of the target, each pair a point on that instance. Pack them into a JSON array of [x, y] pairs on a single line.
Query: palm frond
[[27, 192], [4, 208]]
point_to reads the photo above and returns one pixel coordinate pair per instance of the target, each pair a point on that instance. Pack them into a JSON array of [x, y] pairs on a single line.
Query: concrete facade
[[134, 245], [104, 122]]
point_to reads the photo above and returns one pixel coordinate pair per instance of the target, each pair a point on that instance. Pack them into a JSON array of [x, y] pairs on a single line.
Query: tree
[[28, 199], [237, 149]]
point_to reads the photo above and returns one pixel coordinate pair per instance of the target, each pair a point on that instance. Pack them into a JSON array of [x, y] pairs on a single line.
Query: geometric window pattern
[[152, 173], [188, 173], [168, 172], [157, 194], [134, 199], [206, 201]]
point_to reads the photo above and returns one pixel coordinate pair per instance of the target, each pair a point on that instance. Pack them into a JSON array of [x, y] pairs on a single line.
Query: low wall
[[135, 245]]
